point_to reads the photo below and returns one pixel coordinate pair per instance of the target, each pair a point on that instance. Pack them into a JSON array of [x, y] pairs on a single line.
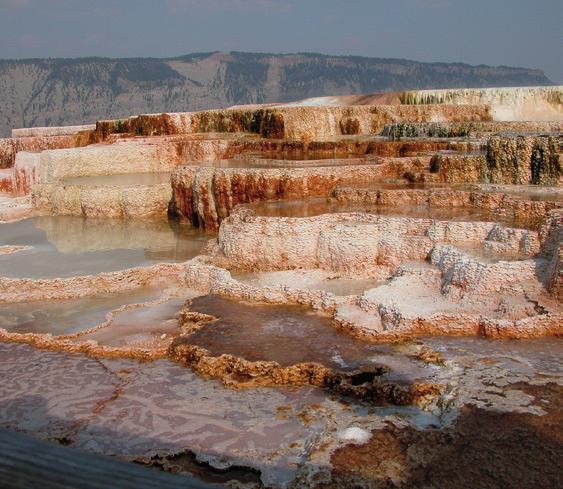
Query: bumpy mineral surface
[[296, 295]]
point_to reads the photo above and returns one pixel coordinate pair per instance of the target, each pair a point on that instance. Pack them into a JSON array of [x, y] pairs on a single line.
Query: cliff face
[[75, 91]]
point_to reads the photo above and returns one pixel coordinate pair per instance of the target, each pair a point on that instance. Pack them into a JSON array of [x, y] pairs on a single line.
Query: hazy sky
[[525, 33]]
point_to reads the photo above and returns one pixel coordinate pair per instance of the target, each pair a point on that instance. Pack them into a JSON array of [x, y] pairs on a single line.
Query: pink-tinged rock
[[9, 147], [292, 122], [42, 132], [14, 208], [26, 172], [6, 180], [206, 196]]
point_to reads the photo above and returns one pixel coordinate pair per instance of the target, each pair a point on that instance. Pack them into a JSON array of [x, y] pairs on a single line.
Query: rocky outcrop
[[9, 147], [463, 274], [552, 249], [292, 122], [44, 175], [140, 155], [41, 132], [121, 157], [456, 168], [14, 208], [25, 172], [443, 277], [369, 385], [509, 160], [353, 244], [6, 181], [205, 196], [523, 160], [467, 129], [495, 205], [202, 275], [507, 104], [105, 201], [411, 304], [555, 280]]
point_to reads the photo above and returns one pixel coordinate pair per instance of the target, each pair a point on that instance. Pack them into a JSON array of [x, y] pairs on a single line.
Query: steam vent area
[[319, 294]]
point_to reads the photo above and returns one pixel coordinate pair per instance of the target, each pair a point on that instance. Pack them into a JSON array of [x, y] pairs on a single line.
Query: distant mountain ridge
[[38, 92]]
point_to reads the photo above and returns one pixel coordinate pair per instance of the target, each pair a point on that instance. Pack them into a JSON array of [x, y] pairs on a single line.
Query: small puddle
[[290, 335], [317, 207], [143, 326], [308, 279], [308, 156], [534, 193], [264, 162], [67, 316], [520, 192], [65, 246], [485, 255]]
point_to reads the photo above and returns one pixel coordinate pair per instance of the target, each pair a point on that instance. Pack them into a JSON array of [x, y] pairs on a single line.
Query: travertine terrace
[[319, 260]]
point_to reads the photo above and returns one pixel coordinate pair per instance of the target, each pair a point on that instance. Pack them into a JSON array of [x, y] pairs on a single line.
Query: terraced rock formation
[[306, 290]]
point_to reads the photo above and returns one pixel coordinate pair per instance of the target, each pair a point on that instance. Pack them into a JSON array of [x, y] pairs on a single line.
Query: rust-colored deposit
[[489, 448]]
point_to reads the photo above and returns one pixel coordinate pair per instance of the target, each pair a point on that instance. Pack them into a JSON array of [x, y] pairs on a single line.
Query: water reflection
[[64, 246]]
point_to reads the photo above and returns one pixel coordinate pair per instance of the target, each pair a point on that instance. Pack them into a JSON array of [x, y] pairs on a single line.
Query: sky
[[527, 33]]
